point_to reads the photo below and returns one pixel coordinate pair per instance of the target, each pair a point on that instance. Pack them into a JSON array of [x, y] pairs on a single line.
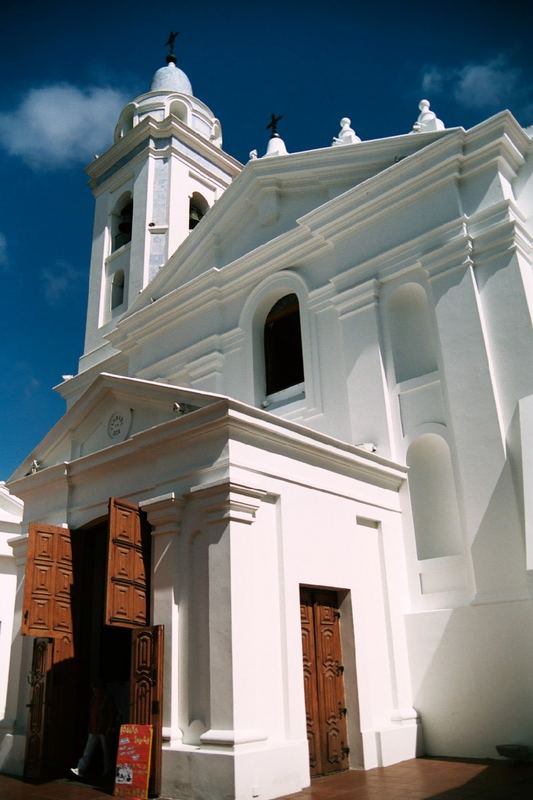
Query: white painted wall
[[10, 518]]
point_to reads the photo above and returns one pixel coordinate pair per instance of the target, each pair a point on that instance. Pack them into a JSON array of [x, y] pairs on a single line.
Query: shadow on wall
[[471, 672], [471, 666]]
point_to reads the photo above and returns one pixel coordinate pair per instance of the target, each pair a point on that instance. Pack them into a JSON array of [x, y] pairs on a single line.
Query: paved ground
[[419, 779]]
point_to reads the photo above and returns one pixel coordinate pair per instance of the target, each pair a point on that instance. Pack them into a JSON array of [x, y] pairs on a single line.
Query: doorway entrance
[[87, 600], [323, 681]]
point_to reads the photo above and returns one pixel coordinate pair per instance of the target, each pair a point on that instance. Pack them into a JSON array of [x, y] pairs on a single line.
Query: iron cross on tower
[[172, 36], [273, 125]]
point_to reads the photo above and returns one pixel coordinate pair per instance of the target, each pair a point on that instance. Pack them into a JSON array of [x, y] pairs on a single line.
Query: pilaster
[[489, 506], [368, 399], [229, 511], [165, 516]]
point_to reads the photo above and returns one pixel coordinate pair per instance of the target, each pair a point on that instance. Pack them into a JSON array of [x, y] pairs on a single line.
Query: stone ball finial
[[346, 134], [427, 119]]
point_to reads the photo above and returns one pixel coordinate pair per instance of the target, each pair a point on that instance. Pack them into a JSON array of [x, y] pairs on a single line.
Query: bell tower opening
[[198, 206], [122, 223]]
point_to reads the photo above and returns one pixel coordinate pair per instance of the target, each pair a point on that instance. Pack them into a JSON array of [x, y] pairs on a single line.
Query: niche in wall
[[436, 518], [411, 330]]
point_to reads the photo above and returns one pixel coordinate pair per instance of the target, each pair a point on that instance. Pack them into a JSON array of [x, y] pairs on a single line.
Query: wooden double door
[[87, 603], [323, 681]]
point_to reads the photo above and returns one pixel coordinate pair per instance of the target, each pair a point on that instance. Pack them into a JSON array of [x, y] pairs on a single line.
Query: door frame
[[53, 627], [347, 649]]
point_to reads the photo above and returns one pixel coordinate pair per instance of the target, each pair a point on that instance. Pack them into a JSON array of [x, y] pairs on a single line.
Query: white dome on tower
[[170, 94], [171, 79]]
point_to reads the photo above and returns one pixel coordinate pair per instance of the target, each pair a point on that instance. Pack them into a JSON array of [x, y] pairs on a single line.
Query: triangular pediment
[[271, 199], [111, 410]]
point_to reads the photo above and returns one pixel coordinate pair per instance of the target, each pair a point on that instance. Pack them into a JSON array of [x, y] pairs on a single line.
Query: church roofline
[[277, 172], [500, 138]]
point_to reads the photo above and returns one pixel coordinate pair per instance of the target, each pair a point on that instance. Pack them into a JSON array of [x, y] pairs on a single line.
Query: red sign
[[133, 761]]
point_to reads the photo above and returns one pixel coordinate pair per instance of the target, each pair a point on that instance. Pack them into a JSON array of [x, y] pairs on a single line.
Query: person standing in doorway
[[101, 724]]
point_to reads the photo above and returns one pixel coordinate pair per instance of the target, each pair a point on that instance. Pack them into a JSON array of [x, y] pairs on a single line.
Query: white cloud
[[59, 281], [487, 85], [58, 125], [31, 386], [492, 84], [3, 251], [433, 80]]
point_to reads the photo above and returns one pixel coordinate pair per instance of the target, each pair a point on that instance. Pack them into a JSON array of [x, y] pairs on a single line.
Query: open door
[[146, 692], [47, 614], [127, 606], [128, 566], [47, 606], [40, 670]]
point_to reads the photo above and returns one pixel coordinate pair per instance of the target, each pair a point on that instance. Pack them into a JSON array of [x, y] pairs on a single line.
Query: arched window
[[284, 364], [122, 222], [117, 289], [198, 206]]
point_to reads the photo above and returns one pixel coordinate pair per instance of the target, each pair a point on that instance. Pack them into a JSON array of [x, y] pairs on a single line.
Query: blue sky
[[68, 69]]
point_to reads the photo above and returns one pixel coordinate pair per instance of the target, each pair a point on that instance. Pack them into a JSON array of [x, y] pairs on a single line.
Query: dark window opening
[[284, 364], [197, 209], [124, 219], [117, 289]]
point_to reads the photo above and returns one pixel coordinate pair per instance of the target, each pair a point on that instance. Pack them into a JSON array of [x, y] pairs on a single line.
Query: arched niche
[[216, 134], [180, 110], [411, 331], [438, 529], [125, 122]]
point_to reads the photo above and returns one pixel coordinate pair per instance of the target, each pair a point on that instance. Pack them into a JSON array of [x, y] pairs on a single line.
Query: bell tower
[[164, 171]]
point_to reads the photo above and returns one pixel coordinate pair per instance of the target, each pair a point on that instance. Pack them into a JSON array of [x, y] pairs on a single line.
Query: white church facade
[[289, 506]]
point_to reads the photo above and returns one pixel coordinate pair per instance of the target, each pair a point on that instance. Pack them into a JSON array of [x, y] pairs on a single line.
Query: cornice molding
[[356, 298], [164, 513], [149, 130], [225, 501], [227, 418], [19, 545]]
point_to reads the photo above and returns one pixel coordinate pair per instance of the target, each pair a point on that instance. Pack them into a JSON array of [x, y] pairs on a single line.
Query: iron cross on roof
[[172, 36], [273, 124]]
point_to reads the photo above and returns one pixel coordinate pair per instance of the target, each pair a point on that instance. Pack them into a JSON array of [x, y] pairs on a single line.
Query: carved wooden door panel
[[128, 566], [323, 680], [47, 606], [310, 683], [146, 687], [40, 670]]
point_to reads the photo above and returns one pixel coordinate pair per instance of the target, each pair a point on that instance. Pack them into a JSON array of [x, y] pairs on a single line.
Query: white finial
[[346, 134], [427, 120], [276, 147], [253, 155]]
